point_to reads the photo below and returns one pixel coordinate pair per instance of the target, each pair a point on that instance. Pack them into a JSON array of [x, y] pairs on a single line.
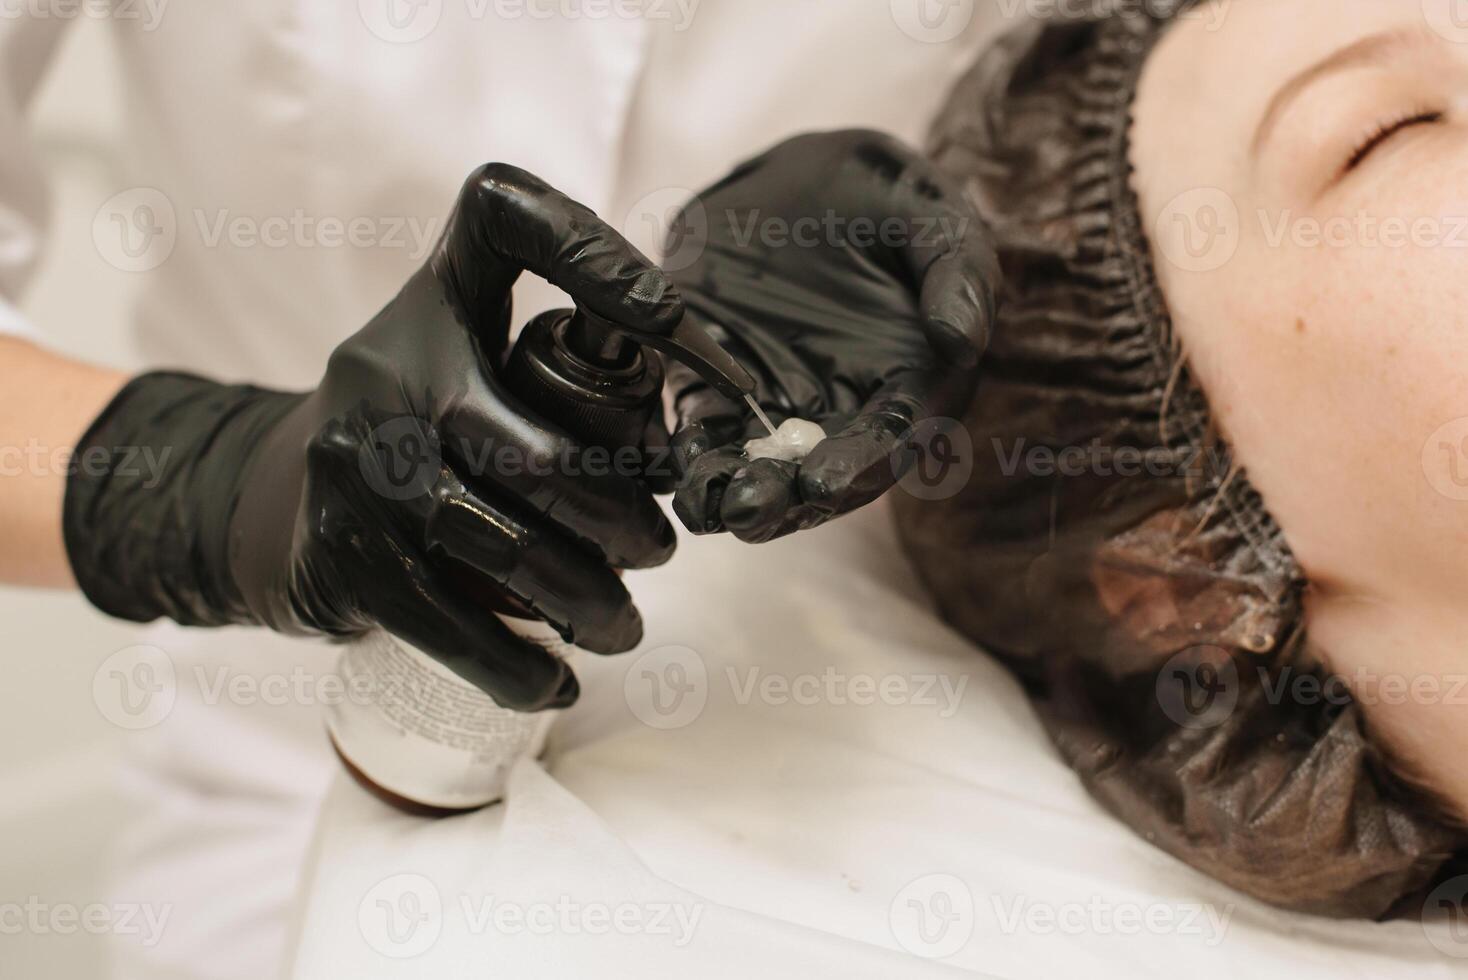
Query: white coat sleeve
[[27, 44]]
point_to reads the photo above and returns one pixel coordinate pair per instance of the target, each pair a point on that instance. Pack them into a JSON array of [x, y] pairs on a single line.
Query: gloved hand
[[409, 490], [857, 285]]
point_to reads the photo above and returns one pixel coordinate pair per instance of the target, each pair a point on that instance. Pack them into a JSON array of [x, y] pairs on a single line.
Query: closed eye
[[1382, 132]]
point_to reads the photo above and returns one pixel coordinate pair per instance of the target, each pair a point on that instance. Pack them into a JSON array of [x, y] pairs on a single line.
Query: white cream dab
[[792, 442]]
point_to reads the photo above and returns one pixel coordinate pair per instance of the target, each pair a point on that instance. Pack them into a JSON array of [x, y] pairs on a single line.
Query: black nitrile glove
[[409, 490], [857, 285]]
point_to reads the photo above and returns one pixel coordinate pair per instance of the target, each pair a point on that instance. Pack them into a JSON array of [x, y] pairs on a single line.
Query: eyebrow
[[1362, 52]]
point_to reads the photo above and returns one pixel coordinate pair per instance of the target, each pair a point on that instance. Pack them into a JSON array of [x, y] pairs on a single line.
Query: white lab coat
[[259, 135]]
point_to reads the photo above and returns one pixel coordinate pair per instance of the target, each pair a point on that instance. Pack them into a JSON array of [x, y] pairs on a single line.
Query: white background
[[58, 808]]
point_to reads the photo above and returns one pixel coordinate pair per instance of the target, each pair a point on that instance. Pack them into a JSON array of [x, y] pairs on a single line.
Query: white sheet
[[806, 838]]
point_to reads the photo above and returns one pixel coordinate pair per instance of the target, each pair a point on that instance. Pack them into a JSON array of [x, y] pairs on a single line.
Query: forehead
[[1245, 33], [1215, 71]]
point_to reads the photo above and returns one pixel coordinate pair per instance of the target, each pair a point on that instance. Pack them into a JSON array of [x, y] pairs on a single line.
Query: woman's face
[[1303, 171]]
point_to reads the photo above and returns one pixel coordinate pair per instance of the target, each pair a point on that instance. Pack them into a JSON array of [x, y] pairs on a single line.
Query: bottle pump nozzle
[[595, 380]]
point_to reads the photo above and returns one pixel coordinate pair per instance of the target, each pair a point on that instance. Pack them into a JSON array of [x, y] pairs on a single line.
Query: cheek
[[1337, 370]]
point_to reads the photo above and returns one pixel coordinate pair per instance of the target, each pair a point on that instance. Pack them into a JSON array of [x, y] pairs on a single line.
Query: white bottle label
[[417, 729]]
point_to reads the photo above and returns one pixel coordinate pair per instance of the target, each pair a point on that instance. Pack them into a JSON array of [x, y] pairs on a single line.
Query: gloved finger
[[611, 512], [695, 400], [762, 502], [698, 435], [581, 597], [949, 253], [957, 301], [507, 216], [469, 639], [706, 418], [864, 459], [392, 581], [700, 495]]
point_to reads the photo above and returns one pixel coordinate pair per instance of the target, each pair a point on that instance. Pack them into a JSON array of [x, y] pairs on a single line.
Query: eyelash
[[1384, 131]]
